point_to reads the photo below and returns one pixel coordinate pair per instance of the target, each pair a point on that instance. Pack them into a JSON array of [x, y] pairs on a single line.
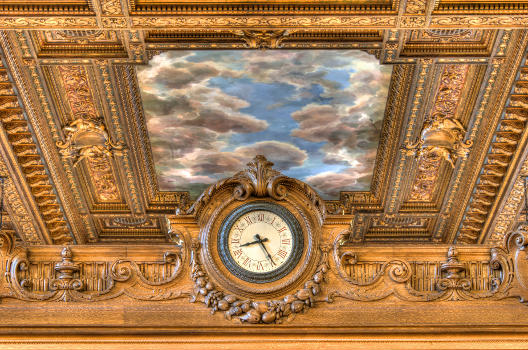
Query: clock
[[260, 242]]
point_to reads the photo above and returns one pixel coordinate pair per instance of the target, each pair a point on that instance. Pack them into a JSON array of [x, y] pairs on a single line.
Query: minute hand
[[264, 247]]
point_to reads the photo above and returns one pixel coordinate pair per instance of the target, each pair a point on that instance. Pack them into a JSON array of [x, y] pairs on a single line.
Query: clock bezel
[[261, 277]]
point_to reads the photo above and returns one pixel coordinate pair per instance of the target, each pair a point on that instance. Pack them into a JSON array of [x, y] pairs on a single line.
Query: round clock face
[[260, 242]]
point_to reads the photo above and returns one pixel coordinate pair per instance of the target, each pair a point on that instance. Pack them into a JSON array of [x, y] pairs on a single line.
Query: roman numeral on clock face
[[282, 253]]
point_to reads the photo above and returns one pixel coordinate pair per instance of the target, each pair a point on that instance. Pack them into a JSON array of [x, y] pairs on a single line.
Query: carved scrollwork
[[515, 257], [252, 311], [70, 281], [259, 179], [452, 281]]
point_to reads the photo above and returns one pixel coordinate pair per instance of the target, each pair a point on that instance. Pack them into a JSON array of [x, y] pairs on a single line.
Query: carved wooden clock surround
[[258, 184], [259, 181]]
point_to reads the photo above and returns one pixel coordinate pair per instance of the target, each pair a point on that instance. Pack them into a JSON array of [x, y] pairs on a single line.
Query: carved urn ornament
[[441, 137], [87, 139]]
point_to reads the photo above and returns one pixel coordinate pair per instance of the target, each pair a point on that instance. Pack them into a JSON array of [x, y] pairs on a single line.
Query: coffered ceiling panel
[[408, 117]]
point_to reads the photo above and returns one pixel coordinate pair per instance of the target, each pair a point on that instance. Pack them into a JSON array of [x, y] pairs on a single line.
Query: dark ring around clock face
[[263, 277]]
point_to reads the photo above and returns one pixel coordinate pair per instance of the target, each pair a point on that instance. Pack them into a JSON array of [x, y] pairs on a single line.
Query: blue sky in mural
[[316, 114]]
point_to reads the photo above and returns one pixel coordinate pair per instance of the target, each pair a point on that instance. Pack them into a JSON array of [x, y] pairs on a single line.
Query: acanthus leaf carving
[[260, 180]]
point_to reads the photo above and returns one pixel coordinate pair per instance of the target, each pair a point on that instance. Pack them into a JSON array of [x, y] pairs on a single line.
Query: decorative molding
[[89, 280], [262, 21], [25, 149], [357, 273], [288, 7], [157, 40], [509, 213], [448, 42], [503, 151], [423, 68], [68, 43]]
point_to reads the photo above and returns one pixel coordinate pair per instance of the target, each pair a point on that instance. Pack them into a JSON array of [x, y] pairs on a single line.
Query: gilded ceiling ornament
[[86, 139], [262, 39], [415, 6], [78, 91], [442, 135], [111, 7]]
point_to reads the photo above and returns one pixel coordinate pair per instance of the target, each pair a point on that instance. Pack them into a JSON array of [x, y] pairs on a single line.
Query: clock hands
[[254, 242], [260, 240]]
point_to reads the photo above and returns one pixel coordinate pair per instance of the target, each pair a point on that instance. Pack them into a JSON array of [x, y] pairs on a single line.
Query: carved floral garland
[[246, 310]]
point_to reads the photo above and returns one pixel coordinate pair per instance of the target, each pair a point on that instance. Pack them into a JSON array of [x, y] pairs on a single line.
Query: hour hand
[[254, 242]]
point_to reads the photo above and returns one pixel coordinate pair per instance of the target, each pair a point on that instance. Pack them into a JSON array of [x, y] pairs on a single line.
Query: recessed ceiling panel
[[316, 114]]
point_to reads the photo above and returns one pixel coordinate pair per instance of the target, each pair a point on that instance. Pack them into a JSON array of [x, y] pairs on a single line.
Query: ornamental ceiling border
[[388, 210]]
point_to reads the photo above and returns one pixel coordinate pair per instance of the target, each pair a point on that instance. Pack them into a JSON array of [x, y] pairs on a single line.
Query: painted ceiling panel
[[316, 114]]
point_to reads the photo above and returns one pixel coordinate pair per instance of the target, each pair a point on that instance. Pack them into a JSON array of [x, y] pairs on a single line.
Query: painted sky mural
[[316, 114]]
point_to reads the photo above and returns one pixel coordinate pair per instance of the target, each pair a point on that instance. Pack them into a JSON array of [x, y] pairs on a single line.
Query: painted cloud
[[316, 114]]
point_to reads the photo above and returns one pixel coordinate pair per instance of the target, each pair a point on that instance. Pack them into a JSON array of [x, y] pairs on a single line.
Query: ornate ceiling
[[77, 152]]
